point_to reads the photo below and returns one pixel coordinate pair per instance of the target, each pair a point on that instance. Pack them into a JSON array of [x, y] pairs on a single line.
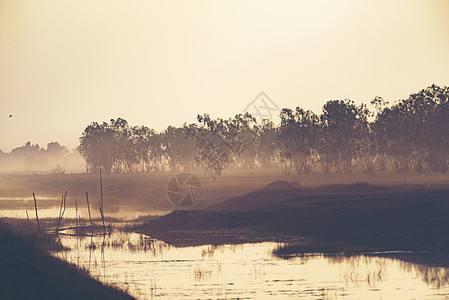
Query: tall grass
[[27, 271]]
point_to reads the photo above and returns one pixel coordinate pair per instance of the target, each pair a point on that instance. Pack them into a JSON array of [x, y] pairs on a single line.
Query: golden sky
[[66, 63]]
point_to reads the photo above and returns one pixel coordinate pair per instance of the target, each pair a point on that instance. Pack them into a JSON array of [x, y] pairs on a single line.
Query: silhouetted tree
[[54, 148], [298, 134], [378, 132], [124, 153], [267, 150], [342, 124], [428, 111], [219, 141], [97, 147], [245, 132], [142, 137], [179, 149]]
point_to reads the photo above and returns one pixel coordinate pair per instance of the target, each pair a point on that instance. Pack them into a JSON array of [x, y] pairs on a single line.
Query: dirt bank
[[359, 216]]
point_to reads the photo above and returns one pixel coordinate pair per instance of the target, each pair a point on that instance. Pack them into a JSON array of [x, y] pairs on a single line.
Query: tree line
[[411, 134], [34, 158]]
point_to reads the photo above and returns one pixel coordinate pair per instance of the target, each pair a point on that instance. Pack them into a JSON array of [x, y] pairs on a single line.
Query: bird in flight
[[10, 116]]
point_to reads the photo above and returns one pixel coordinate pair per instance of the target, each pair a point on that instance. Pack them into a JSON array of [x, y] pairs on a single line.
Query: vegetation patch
[[29, 272]]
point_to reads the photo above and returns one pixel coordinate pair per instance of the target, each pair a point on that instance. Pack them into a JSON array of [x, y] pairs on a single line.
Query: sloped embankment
[[360, 215]]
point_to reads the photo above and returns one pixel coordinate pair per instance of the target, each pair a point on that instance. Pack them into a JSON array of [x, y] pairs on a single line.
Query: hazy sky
[[66, 63]]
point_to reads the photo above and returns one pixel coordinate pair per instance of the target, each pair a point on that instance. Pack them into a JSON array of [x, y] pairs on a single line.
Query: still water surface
[[49, 207], [149, 268]]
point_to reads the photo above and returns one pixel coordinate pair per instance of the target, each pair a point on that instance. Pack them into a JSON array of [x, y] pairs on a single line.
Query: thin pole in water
[[61, 210], [37, 217], [88, 208], [101, 199], [76, 211]]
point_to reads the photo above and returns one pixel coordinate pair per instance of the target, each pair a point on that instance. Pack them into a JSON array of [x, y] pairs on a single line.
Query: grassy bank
[[339, 218], [27, 271]]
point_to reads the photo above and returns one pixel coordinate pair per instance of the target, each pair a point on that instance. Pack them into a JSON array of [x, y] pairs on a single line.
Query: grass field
[[148, 192]]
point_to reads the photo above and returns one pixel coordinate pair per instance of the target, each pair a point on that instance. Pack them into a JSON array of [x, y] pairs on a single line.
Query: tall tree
[[342, 123], [179, 149], [96, 146], [298, 134], [219, 141], [267, 150]]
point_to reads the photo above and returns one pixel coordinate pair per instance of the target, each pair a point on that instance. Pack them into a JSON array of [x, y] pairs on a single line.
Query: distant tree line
[[116, 147], [31, 157], [411, 134]]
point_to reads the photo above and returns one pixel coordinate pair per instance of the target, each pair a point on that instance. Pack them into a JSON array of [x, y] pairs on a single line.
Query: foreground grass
[[27, 271]]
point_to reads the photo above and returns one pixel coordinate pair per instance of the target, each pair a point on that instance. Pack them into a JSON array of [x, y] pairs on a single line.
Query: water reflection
[[51, 211], [436, 277], [149, 268], [360, 269]]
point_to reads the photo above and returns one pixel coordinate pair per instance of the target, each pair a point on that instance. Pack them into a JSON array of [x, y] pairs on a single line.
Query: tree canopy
[[411, 134]]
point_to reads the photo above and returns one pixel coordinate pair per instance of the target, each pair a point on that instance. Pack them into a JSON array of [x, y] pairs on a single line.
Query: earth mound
[[282, 185]]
